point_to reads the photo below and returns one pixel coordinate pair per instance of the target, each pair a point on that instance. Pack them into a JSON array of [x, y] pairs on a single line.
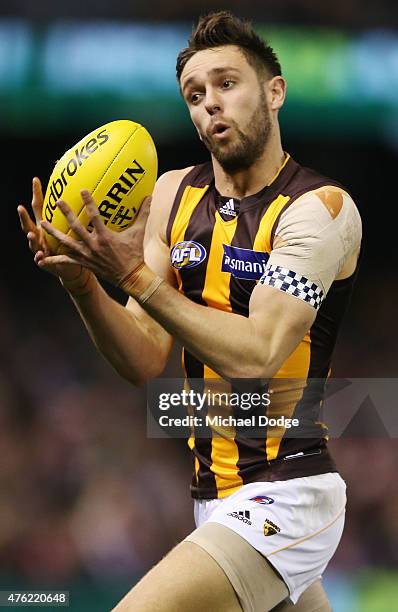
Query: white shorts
[[296, 524]]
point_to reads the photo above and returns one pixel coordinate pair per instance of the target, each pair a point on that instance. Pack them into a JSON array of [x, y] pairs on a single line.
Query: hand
[[110, 255], [36, 237]]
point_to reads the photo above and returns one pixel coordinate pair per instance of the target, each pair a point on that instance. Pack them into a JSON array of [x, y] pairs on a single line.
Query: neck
[[247, 182]]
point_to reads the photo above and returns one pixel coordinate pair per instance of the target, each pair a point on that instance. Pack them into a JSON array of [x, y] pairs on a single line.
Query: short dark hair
[[220, 28]]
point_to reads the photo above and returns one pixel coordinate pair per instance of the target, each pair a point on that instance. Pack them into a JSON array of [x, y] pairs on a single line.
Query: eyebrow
[[213, 71]]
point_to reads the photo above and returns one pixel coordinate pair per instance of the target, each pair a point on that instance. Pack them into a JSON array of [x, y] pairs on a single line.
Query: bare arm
[[133, 342], [233, 345], [135, 345]]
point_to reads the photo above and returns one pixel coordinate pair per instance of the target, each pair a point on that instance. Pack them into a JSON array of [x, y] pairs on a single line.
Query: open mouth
[[219, 128]]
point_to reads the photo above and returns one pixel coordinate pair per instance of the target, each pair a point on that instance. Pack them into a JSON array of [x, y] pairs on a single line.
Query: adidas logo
[[228, 208], [241, 515]]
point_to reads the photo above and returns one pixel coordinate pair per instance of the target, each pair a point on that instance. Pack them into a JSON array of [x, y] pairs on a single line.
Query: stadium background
[[87, 502]]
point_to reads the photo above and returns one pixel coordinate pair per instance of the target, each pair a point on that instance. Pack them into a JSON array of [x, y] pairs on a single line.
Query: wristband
[[140, 283], [81, 285], [155, 284]]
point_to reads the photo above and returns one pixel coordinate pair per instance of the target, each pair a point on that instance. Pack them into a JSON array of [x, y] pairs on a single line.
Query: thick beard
[[249, 146]]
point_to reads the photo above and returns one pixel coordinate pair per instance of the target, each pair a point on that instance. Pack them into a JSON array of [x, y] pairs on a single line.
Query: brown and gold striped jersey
[[219, 248]]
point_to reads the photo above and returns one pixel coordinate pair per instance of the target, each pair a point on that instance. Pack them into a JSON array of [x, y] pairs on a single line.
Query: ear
[[276, 92]]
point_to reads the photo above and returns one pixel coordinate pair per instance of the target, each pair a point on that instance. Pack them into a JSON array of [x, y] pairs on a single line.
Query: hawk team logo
[[187, 254], [262, 499], [270, 528]]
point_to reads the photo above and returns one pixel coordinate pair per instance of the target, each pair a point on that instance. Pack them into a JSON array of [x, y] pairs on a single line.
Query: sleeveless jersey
[[218, 259]]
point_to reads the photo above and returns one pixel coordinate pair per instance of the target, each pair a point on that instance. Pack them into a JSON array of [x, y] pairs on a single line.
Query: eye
[[194, 98], [227, 83]]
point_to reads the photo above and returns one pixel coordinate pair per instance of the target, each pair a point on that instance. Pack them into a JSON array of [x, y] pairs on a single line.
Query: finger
[[37, 199], [27, 224], [73, 221], [48, 262], [92, 211], [73, 245], [34, 241]]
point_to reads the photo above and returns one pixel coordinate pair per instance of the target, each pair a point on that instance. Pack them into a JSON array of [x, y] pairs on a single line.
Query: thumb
[[145, 209], [141, 218]]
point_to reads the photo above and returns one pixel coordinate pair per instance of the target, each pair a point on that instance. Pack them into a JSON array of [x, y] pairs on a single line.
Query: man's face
[[228, 106]]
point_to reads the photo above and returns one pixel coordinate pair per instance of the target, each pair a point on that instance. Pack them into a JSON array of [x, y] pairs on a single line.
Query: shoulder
[[164, 195], [169, 190], [319, 236], [168, 183], [331, 198], [163, 198], [196, 176], [303, 182], [316, 209]]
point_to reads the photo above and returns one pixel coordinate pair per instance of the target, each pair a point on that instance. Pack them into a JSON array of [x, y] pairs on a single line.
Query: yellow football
[[117, 163]]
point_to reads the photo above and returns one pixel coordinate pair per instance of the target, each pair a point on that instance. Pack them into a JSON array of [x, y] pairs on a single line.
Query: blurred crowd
[[85, 493], [341, 13]]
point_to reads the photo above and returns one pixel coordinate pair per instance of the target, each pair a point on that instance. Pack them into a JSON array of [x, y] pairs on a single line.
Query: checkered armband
[[293, 283]]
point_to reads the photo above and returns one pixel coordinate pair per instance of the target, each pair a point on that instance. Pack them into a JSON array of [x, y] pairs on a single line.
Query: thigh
[[256, 583], [314, 599], [295, 524], [188, 579]]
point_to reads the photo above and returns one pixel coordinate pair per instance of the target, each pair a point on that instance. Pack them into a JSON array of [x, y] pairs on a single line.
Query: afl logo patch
[[187, 254]]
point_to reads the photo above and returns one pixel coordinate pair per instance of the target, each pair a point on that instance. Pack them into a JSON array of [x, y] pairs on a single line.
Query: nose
[[213, 103]]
